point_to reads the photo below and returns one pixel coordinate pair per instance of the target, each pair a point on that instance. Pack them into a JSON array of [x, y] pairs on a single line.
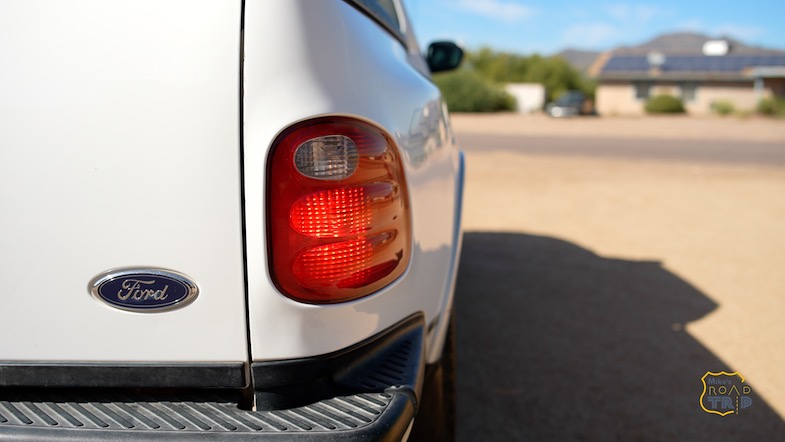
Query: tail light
[[337, 211]]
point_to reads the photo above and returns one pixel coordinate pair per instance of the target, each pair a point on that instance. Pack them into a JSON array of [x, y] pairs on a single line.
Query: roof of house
[[726, 67], [681, 56]]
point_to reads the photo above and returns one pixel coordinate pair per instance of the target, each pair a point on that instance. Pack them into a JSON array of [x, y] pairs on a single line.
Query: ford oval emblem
[[144, 290]]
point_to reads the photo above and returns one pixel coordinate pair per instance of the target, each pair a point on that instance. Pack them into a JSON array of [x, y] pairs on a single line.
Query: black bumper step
[[367, 392], [23, 416]]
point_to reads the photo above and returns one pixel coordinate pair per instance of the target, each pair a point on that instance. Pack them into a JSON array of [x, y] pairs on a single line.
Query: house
[[719, 71]]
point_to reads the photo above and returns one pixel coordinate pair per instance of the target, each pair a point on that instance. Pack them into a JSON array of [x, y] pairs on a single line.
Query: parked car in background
[[570, 104], [225, 219]]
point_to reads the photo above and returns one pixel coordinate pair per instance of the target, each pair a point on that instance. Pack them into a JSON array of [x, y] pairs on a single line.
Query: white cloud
[[590, 34], [501, 10], [633, 13], [617, 23]]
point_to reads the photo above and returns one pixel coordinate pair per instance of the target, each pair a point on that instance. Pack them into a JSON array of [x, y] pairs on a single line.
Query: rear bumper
[[371, 416], [367, 392]]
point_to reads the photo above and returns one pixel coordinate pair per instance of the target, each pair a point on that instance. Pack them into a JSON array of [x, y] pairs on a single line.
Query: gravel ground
[[626, 280], [661, 127]]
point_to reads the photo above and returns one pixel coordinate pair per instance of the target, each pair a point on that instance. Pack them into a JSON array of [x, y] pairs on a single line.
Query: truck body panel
[[120, 138]]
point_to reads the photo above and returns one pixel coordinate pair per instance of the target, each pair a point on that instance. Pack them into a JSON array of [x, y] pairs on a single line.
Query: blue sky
[[548, 26]]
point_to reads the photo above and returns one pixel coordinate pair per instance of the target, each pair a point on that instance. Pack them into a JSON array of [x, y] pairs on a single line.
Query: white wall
[[529, 96]]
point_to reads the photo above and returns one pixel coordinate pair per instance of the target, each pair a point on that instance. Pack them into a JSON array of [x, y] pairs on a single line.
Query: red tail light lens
[[337, 211]]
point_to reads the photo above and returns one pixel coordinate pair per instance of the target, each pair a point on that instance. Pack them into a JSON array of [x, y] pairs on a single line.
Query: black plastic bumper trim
[[130, 375], [369, 391], [392, 359]]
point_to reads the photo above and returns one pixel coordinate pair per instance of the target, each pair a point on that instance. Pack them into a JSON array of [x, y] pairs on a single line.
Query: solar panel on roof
[[690, 63]]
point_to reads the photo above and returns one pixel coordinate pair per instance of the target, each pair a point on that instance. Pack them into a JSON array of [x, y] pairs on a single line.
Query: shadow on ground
[[557, 343]]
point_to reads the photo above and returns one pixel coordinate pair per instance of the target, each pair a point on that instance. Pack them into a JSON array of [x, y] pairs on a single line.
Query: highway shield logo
[[724, 393]]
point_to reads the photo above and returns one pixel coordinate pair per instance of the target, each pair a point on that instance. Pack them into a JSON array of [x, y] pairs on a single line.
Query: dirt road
[[596, 291], [662, 127]]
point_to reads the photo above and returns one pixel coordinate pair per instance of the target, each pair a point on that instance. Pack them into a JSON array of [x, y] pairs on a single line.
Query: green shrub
[[664, 104], [466, 91], [555, 73], [723, 107], [773, 107]]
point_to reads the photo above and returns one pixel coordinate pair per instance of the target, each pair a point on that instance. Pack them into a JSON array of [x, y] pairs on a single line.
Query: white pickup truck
[[224, 219]]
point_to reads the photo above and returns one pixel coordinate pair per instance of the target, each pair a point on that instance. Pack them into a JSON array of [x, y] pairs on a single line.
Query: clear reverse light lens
[[331, 157]]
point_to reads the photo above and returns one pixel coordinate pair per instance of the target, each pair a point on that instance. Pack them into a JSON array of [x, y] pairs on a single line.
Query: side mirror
[[443, 56]]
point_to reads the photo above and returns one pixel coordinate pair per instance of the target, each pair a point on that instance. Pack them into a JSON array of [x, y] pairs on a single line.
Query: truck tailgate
[[119, 136]]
